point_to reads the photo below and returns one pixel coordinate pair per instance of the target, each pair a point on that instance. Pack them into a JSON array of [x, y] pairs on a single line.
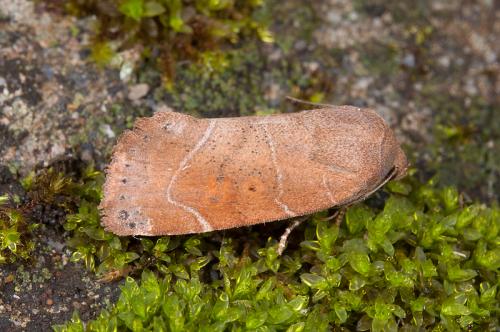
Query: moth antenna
[[300, 101]]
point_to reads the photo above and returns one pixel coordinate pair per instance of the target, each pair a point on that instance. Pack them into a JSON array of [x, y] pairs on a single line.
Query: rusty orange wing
[[175, 174]]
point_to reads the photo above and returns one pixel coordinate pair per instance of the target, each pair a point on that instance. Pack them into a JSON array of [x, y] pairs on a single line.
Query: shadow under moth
[[176, 174]]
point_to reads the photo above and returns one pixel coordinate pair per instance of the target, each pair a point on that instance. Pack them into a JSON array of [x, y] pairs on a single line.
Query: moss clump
[[420, 260], [469, 140], [15, 231], [212, 93], [168, 30], [48, 195]]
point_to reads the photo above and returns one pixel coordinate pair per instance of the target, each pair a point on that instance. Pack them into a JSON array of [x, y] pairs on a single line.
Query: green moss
[[380, 59], [421, 260], [236, 85], [55, 191], [401, 11], [463, 150], [169, 30], [212, 93], [16, 232]]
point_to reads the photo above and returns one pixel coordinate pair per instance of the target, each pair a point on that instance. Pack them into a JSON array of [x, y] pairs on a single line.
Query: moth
[[177, 174]]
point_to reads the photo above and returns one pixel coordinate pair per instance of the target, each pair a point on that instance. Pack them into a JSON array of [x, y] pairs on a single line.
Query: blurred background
[[74, 74]]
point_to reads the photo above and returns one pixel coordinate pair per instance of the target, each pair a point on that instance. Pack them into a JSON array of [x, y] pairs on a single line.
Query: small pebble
[[126, 71], [106, 129], [138, 91], [409, 60]]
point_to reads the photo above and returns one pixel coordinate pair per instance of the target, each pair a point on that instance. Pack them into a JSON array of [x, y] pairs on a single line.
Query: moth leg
[[284, 238], [333, 216], [339, 216]]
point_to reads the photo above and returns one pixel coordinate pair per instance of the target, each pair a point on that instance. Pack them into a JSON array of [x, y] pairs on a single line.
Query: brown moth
[[176, 174]]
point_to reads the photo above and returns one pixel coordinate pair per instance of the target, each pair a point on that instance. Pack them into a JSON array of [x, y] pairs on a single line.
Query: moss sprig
[[16, 233]]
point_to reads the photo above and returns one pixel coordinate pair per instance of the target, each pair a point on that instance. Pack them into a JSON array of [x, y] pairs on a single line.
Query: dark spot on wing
[[123, 215]]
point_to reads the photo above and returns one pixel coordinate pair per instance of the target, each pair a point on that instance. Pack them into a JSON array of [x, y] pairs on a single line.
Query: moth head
[[400, 164]]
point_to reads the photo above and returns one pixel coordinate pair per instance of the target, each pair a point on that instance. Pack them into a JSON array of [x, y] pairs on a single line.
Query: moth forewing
[[175, 174]]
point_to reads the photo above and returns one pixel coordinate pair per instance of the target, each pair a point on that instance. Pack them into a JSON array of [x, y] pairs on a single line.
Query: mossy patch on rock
[[415, 256]]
